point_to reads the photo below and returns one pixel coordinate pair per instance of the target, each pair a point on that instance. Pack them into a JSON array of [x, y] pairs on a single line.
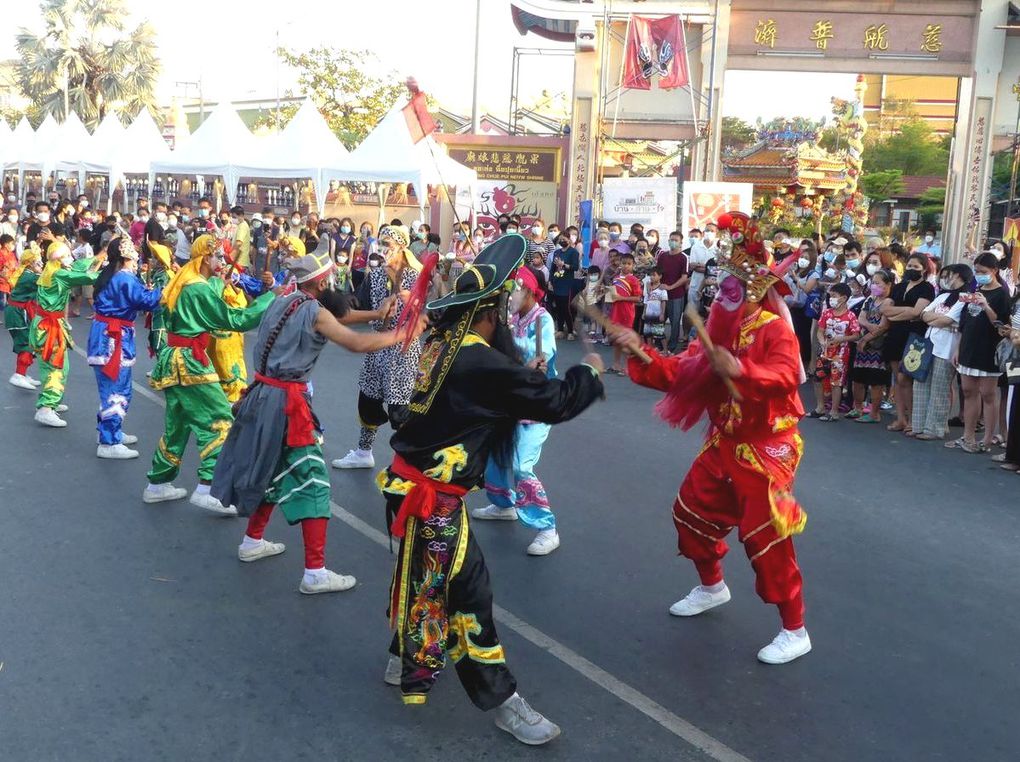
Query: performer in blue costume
[[518, 493], [119, 296]]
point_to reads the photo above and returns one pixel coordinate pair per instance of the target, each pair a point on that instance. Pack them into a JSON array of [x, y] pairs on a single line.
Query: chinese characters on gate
[[875, 37]]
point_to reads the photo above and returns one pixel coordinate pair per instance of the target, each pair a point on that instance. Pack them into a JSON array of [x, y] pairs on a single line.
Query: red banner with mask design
[[655, 47]]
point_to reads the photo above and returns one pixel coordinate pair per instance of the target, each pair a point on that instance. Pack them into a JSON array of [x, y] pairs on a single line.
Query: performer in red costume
[[745, 384]]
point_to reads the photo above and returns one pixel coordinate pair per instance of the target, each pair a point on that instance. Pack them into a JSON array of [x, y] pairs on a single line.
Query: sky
[[237, 39]]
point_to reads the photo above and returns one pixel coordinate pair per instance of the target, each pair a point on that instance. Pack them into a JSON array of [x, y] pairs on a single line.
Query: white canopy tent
[[305, 146], [106, 142], [6, 138], [389, 155], [220, 145], [53, 148], [20, 143]]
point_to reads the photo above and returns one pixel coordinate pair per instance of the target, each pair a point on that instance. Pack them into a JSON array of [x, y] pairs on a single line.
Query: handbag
[[917, 357], [813, 305], [1007, 357]]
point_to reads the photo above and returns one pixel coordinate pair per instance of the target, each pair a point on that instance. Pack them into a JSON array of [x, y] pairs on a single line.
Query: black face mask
[[912, 275]]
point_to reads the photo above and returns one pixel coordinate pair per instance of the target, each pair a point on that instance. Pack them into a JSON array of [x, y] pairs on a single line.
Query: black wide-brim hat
[[493, 267]]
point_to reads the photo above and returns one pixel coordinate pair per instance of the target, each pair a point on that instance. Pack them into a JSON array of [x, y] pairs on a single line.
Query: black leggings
[[563, 312]]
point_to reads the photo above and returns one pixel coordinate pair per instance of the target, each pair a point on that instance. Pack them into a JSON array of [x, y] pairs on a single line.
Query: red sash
[[115, 328], [421, 500], [197, 344], [300, 426], [55, 346]]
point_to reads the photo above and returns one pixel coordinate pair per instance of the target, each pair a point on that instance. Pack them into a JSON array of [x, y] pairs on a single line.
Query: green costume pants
[[202, 410], [54, 381]]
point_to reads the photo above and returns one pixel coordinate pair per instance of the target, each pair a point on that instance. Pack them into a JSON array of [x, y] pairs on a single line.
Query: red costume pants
[[313, 531], [734, 484]]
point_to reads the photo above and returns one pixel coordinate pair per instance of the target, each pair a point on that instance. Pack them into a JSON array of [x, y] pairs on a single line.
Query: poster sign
[[704, 202], [648, 200]]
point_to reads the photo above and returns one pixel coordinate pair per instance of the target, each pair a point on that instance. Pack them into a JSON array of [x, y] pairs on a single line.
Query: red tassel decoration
[[416, 304]]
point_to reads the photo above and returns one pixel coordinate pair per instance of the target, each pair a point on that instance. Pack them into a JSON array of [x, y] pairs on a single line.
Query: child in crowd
[[627, 294], [81, 250], [8, 264], [709, 288], [591, 296], [837, 328], [655, 309]]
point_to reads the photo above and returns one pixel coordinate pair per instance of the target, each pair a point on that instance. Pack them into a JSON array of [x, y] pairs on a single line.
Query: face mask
[[511, 230], [603, 243], [946, 284], [999, 253], [144, 218], [709, 237], [69, 211], [185, 218], [203, 213], [295, 221], [43, 217], [593, 278], [912, 275], [345, 229], [929, 238], [12, 218], [67, 260], [553, 235], [835, 302], [853, 264], [652, 240], [877, 290], [803, 262], [983, 279], [84, 204], [829, 256], [537, 229], [872, 269], [674, 245], [614, 236], [374, 263], [172, 223], [343, 260], [423, 235], [831, 273]]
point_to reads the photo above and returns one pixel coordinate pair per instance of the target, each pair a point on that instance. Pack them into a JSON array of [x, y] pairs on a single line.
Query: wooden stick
[[597, 317], [709, 347]]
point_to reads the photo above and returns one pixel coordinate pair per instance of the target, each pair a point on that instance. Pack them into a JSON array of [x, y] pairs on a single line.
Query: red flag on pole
[[419, 121], [655, 46]]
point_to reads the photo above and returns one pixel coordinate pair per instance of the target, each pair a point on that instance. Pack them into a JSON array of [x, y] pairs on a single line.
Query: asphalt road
[[132, 632]]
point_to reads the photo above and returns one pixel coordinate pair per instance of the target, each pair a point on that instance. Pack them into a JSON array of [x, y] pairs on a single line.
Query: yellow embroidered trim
[[713, 441], [167, 455], [473, 338], [451, 459], [414, 698], [784, 423], [405, 578], [466, 625], [222, 428], [462, 543], [767, 548], [478, 276], [179, 375], [750, 329]]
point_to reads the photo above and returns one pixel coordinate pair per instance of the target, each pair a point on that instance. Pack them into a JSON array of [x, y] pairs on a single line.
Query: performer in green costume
[[18, 314], [50, 334], [195, 402]]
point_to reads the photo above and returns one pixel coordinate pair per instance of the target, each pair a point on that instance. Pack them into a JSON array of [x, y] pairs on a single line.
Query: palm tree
[[86, 60]]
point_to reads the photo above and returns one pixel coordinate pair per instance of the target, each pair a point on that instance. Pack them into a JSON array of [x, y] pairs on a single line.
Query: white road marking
[[675, 724]]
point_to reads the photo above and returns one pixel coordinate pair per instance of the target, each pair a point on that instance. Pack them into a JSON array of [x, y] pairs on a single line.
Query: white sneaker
[[356, 459], [128, 439], [545, 542], [34, 381], [698, 601], [787, 646], [329, 582], [22, 382], [211, 504], [115, 452], [62, 408], [161, 493], [48, 417], [393, 670], [494, 513], [264, 549], [524, 723]]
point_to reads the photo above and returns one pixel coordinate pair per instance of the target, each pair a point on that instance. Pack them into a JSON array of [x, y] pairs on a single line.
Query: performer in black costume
[[469, 395]]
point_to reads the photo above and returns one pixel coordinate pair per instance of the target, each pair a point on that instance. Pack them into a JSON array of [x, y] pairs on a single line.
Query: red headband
[[527, 279]]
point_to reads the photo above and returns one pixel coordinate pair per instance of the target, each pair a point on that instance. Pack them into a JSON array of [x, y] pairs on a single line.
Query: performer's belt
[[115, 328], [55, 346], [300, 424], [21, 305], [421, 500], [198, 345]]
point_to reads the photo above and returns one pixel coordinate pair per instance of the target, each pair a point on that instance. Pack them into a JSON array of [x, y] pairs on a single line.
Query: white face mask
[[603, 243], [929, 238], [872, 269], [835, 302], [374, 263], [143, 219], [160, 216], [172, 222], [295, 221], [553, 235], [709, 237], [343, 260], [946, 284], [12, 218], [43, 217], [803, 262], [537, 229], [67, 260], [831, 273]]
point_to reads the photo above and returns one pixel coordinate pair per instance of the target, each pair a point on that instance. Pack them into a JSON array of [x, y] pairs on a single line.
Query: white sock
[[250, 543], [364, 453], [202, 489], [156, 487], [315, 575], [798, 633], [713, 589]]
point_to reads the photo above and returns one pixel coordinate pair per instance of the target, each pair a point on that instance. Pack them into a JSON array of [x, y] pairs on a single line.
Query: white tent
[[106, 142], [389, 155], [218, 147], [53, 148], [305, 146], [19, 144], [6, 138]]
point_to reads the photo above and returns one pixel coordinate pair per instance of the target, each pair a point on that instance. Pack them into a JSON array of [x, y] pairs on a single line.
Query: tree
[[914, 150], [87, 59], [883, 184], [737, 134], [351, 99], [933, 203]]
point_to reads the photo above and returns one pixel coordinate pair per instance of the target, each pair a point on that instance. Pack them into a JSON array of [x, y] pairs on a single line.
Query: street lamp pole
[[1016, 152], [475, 120]]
